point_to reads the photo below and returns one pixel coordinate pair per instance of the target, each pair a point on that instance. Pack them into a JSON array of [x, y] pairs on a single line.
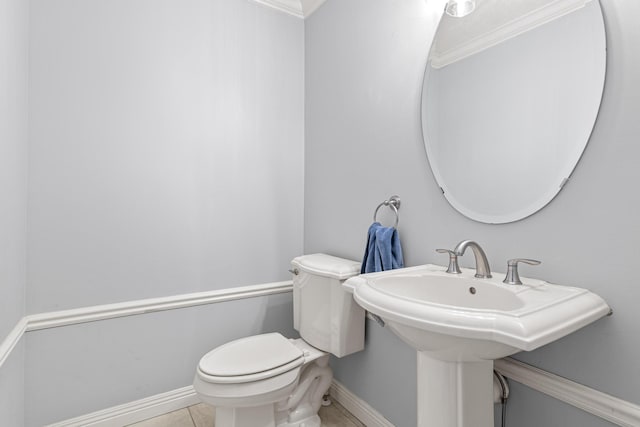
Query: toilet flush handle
[[295, 271]]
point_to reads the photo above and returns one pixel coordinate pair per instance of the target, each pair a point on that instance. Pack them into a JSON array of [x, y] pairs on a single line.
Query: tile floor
[[201, 415]]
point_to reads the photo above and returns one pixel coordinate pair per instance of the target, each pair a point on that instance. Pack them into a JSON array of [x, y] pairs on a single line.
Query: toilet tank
[[325, 315]]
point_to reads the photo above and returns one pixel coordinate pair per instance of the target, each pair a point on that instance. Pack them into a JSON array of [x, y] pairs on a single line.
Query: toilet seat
[[264, 367], [249, 359]]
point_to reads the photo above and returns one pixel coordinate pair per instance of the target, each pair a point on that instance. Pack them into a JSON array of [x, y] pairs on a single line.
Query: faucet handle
[[453, 267], [513, 278]]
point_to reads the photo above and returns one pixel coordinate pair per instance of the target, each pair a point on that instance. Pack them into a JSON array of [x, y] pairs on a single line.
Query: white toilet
[[271, 381]]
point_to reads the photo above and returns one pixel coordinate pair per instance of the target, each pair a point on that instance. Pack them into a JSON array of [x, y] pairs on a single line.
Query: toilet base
[[256, 416], [259, 416], [313, 421], [299, 409]]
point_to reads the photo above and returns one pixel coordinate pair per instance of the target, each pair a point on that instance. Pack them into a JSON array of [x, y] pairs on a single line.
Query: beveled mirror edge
[[548, 196]]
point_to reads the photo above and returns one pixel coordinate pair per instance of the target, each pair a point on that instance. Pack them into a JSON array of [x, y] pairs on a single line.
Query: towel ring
[[394, 204]]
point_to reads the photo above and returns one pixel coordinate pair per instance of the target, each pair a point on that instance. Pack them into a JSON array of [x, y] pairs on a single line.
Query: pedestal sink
[[459, 324]]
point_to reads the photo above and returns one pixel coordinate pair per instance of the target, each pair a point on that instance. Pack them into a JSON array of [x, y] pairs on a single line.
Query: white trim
[[137, 411], [358, 407], [310, 6], [56, 319], [12, 339], [600, 404], [164, 403], [505, 32], [299, 8]]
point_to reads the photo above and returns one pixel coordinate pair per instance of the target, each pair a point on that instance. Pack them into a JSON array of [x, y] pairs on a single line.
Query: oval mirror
[[510, 97]]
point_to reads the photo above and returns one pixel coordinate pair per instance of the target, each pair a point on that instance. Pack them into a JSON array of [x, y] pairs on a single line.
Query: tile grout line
[[348, 415], [193, 422]]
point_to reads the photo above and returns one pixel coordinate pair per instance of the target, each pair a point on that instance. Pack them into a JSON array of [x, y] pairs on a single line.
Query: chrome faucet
[[482, 265]]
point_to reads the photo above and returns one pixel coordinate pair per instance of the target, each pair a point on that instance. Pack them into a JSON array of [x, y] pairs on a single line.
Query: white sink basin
[[451, 291], [460, 317], [459, 324]]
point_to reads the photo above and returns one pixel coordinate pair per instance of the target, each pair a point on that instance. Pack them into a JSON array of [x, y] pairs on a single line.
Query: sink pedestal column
[[454, 394]]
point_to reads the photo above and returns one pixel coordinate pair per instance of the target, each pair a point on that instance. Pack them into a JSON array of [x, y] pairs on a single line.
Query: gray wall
[[13, 160], [12, 399], [364, 66], [166, 155], [166, 149], [79, 369], [13, 195]]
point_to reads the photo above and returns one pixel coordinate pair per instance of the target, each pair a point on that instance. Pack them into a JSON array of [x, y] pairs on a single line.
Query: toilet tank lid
[[250, 355], [327, 266]]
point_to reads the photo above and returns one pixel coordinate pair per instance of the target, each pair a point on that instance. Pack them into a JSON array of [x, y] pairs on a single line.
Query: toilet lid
[[251, 355]]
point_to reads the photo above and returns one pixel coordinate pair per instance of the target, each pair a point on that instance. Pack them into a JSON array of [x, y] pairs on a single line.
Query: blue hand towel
[[383, 250]]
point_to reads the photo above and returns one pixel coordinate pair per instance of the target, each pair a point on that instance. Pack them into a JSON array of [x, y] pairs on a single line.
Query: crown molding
[[299, 8], [536, 18]]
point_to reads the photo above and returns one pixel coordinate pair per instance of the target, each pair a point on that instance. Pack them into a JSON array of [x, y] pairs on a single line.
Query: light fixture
[[460, 8]]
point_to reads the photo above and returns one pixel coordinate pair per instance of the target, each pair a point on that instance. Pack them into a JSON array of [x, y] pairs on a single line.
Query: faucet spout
[[483, 271]]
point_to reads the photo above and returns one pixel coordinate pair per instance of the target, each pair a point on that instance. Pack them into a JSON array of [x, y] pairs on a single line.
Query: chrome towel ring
[[394, 204]]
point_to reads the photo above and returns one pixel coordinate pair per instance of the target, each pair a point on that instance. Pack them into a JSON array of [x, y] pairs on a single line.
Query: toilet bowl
[[268, 380], [281, 367]]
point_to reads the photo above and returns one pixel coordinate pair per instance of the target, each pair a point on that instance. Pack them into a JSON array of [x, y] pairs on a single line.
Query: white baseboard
[[605, 406], [164, 403], [134, 412], [358, 407]]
